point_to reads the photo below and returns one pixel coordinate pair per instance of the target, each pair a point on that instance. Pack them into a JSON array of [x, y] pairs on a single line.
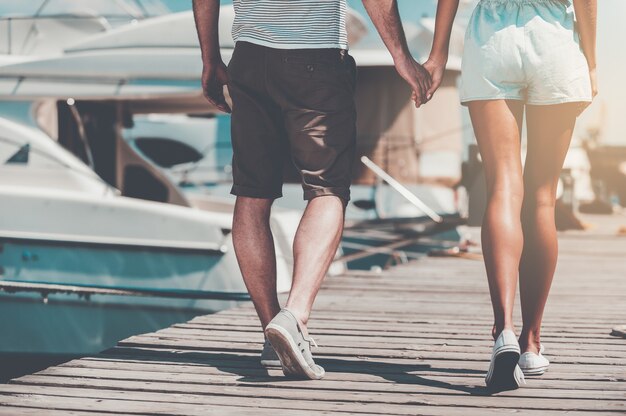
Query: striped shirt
[[291, 24]]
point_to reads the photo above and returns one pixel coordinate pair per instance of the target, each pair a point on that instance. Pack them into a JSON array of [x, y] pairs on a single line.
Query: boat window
[[14, 152], [140, 183], [21, 156], [166, 152]]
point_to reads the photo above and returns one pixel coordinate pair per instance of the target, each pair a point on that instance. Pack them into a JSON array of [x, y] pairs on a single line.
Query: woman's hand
[[417, 77], [587, 18], [436, 64], [436, 69], [594, 91], [594, 82]]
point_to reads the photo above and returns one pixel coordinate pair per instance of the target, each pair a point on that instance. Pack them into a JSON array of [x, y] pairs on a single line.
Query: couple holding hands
[[292, 85]]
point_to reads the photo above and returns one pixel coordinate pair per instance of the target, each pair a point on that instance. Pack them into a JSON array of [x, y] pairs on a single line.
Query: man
[[292, 87]]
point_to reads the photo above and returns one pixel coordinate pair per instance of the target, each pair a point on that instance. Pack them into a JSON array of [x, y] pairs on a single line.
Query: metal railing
[[402, 190], [86, 291]]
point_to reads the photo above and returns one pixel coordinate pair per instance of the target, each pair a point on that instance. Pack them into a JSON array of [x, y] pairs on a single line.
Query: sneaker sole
[[291, 358], [270, 363], [537, 371], [503, 376]]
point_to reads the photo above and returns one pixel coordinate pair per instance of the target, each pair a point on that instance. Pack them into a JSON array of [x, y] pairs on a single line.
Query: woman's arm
[[436, 64], [386, 18], [587, 16]]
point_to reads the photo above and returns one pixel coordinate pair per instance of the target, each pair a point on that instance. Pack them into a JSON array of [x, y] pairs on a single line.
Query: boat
[[96, 242], [83, 96], [135, 264]]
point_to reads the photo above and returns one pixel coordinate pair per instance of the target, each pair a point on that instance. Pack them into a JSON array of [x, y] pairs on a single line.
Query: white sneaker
[[534, 364], [504, 373]]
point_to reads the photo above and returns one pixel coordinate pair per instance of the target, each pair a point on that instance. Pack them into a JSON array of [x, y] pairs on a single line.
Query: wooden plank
[[414, 383], [188, 404], [33, 411], [414, 339], [562, 348], [360, 363], [407, 351], [229, 368], [473, 396]]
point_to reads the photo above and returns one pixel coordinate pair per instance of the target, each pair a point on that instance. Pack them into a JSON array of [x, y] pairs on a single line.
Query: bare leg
[[497, 126], [254, 247], [314, 248], [550, 131]]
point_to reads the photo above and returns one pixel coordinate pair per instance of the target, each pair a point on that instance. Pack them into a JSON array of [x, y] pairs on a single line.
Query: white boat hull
[[67, 324]]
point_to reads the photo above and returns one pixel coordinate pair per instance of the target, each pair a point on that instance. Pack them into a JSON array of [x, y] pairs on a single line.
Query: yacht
[[82, 98], [82, 266]]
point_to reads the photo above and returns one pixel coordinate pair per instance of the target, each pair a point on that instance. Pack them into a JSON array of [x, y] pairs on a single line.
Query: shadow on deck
[[414, 339]]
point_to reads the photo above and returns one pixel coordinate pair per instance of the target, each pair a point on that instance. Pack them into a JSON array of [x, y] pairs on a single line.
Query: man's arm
[[386, 18], [587, 16], [214, 75], [436, 64]]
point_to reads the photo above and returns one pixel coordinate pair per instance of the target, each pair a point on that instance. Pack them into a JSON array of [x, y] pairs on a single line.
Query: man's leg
[[317, 100], [314, 248], [254, 247], [259, 151]]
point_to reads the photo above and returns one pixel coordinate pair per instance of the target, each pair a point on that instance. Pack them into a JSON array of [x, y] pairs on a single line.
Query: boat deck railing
[[86, 291]]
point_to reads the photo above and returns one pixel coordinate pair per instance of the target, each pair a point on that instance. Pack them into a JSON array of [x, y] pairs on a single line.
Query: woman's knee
[[540, 198], [511, 189]]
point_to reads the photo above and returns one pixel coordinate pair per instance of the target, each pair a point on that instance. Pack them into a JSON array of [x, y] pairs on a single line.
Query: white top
[[291, 24]]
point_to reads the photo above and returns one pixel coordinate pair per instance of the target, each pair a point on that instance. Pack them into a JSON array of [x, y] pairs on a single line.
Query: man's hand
[[214, 77], [417, 77], [206, 14], [436, 69]]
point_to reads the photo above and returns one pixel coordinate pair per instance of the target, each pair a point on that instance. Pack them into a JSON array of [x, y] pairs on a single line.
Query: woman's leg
[[497, 126], [550, 131]]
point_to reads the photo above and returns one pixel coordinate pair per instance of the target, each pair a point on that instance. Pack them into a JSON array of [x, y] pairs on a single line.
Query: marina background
[[426, 153]]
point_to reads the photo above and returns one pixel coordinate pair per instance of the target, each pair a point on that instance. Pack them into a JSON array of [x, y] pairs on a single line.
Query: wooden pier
[[411, 340]]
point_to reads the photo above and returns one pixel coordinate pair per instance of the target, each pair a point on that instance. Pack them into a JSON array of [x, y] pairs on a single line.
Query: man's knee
[[256, 207]]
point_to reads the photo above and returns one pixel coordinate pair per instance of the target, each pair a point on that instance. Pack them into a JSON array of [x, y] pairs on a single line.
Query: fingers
[[594, 83], [417, 77], [215, 95], [414, 98], [421, 88], [219, 102], [417, 95], [425, 83], [433, 88], [214, 78]]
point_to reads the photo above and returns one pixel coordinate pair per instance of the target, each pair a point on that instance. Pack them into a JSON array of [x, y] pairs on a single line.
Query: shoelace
[[311, 341]]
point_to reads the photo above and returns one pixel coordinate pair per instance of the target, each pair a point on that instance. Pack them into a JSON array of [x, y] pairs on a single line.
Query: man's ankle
[[266, 317]]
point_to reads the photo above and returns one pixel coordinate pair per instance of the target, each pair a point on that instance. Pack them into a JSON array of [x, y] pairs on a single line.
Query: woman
[[532, 56]]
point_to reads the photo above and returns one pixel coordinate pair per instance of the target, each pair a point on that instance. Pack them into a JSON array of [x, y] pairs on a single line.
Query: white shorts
[[524, 50]]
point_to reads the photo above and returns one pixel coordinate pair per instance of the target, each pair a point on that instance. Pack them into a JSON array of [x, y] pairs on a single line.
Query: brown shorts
[[293, 105]]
